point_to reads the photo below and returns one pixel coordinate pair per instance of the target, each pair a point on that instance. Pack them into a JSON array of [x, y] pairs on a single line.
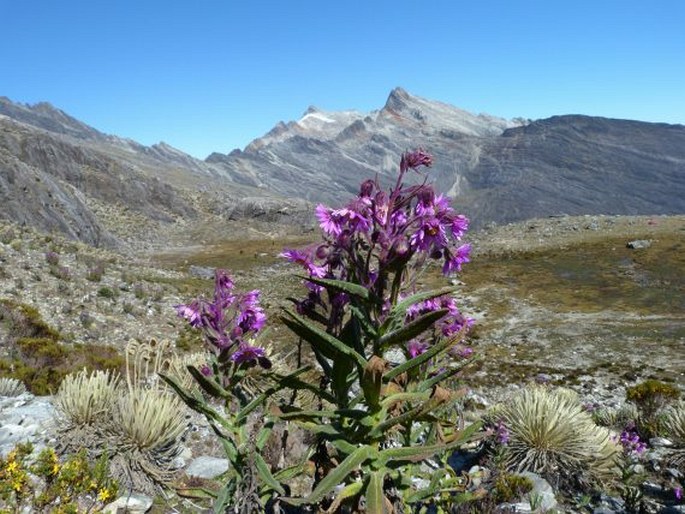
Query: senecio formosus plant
[[385, 418]]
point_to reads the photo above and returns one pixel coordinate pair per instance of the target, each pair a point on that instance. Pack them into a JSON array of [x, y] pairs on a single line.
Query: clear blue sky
[[209, 75]]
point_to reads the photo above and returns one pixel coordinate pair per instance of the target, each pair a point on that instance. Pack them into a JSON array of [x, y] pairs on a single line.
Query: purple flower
[[416, 348], [329, 220], [454, 259], [430, 233], [460, 224], [631, 443], [191, 312], [206, 370], [247, 354], [678, 492], [305, 261], [412, 160], [502, 435], [463, 351]]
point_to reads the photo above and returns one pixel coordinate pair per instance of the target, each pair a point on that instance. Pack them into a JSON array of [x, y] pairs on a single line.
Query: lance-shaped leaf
[[363, 319], [412, 329], [419, 453], [298, 384], [453, 370], [375, 499], [224, 497], [349, 491], [259, 400], [263, 434], [409, 415], [340, 285], [399, 311], [328, 344], [291, 472], [230, 448], [336, 476], [210, 386], [425, 356], [265, 474]]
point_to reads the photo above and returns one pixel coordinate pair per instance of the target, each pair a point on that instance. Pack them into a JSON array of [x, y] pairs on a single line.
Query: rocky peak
[[44, 115]]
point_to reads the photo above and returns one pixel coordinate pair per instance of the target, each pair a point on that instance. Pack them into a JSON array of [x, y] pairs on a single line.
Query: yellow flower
[[55, 468], [12, 466], [104, 494], [17, 485]]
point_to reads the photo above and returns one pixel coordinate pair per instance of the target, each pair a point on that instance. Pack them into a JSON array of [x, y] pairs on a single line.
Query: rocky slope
[[61, 175]]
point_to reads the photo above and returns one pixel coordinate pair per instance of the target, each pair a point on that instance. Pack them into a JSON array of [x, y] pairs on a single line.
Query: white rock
[[207, 467], [131, 504]]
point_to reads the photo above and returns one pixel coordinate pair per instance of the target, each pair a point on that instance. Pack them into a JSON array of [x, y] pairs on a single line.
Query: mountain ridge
[[497, 170]]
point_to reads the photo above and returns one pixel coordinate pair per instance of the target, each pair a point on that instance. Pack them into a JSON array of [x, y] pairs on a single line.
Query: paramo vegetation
[[372, 384]]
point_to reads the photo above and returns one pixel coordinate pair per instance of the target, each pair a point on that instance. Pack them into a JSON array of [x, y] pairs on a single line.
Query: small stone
[[660, 442], [133, 503], [639, 244], [207, 467], [543, 493]]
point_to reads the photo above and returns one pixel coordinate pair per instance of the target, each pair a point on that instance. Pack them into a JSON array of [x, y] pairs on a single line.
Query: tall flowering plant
[[238, 374], [384, 348]]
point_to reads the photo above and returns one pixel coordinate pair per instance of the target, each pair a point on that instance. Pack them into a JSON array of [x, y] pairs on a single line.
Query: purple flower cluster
[[453, 323], [501, 433], [631, 443], [375, 236], [229, 322]]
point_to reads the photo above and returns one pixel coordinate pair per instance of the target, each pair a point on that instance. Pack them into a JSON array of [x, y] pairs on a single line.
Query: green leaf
[[428, 384], [412, 329], [296, 383], [342, 445], [259, 400], [223, 498], [340, 285], [339, 474], [409, 415], [419, 453], [320, 339], [301, 415], [374, 493], [399, 311], [364, 321], [263, 434], [425, 356], [210, 386], [265, 474], [349, 491]]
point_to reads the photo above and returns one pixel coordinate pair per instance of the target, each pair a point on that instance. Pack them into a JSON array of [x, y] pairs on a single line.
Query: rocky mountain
[[59, 174], [498, 170]]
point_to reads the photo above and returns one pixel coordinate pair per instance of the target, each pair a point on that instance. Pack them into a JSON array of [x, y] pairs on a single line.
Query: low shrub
[[42, 363], [47, 484], [650, 397], [24, 321], [107, 292], [95, 273]]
